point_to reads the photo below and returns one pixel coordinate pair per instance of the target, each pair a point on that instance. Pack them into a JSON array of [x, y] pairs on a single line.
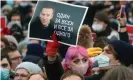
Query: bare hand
[[122, 20]]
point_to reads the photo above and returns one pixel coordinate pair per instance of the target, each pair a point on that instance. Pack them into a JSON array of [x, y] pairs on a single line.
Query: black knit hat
[[102, 16], [35, 50], [124, 52]]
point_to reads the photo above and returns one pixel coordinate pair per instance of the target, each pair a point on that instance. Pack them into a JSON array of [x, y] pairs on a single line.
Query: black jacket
[[124, 36], [54, 70], [37, 30]]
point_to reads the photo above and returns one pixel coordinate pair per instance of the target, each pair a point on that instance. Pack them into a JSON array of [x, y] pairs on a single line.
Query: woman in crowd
[[77, 59], [24, 69], [113, 55], [101, 26]]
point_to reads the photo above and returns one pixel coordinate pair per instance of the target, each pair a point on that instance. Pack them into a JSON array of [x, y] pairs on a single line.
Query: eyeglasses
[[21, 75], [15, 58]]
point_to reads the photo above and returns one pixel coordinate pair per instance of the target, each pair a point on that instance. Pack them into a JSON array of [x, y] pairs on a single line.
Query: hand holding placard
[[52, 47]]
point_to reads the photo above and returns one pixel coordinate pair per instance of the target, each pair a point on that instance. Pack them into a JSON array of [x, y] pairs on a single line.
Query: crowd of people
[[103, 51]]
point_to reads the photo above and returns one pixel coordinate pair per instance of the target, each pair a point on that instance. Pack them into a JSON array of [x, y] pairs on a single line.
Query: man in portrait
[[42, 26]]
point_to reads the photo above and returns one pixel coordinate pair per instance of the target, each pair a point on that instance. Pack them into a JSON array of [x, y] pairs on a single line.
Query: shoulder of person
[[114, 35], [36, 19]]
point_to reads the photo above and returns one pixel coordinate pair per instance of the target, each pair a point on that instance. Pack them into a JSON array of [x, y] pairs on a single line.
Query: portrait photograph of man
[[55, 17], [42, 26]]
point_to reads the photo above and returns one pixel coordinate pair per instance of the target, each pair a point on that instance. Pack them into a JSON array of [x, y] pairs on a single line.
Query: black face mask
[[14, 28], [17, 32]]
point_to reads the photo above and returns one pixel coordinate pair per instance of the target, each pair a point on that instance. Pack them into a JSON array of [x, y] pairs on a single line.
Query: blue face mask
[[102, 60], [4, 74]]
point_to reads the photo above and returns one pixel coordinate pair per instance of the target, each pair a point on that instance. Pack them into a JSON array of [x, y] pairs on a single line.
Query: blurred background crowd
[[103, 51]]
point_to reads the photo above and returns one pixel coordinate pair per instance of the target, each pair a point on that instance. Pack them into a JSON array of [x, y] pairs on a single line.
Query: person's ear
[[118, 62], [11, 67], [105, 25]]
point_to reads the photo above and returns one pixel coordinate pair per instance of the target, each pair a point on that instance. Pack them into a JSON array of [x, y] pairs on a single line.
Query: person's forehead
[[95, 19], [36, 77], [4, 60], [78, 57], [47, 10], [14, 54], [16, 16], [21, 70], [73, 77]]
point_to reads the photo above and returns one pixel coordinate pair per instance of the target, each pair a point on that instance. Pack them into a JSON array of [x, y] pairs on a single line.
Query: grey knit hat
[[30, 67]]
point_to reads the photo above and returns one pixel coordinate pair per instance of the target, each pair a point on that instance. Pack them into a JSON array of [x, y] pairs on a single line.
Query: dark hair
[[3, 39], [15, 29], [10, 48], [101, 42], [4, 54], [49, 7], [119, 73], [15, 12], [102, 16], [71, 73]]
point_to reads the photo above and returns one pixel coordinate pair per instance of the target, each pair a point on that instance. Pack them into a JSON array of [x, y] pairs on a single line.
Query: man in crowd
[[14, 56], [6, 64], [5, 61], [42, 26]]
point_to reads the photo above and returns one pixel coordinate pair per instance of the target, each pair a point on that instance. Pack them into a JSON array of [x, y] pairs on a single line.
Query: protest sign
[[130, 32], [61, 18]]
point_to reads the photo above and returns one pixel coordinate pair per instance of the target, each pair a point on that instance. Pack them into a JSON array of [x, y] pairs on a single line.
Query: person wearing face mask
[[115, 54], [102, 28], [4, 74], [75, 59], [24, 8], [101, 24], [6, 63]]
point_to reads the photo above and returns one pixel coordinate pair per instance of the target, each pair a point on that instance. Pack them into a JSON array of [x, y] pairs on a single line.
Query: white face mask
[[102, 60], [23, 54], [131, 20], [23, 4], [82, 68], [97, 27]]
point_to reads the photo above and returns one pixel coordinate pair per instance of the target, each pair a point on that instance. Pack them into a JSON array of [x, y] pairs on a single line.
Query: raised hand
[[52, 47]]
